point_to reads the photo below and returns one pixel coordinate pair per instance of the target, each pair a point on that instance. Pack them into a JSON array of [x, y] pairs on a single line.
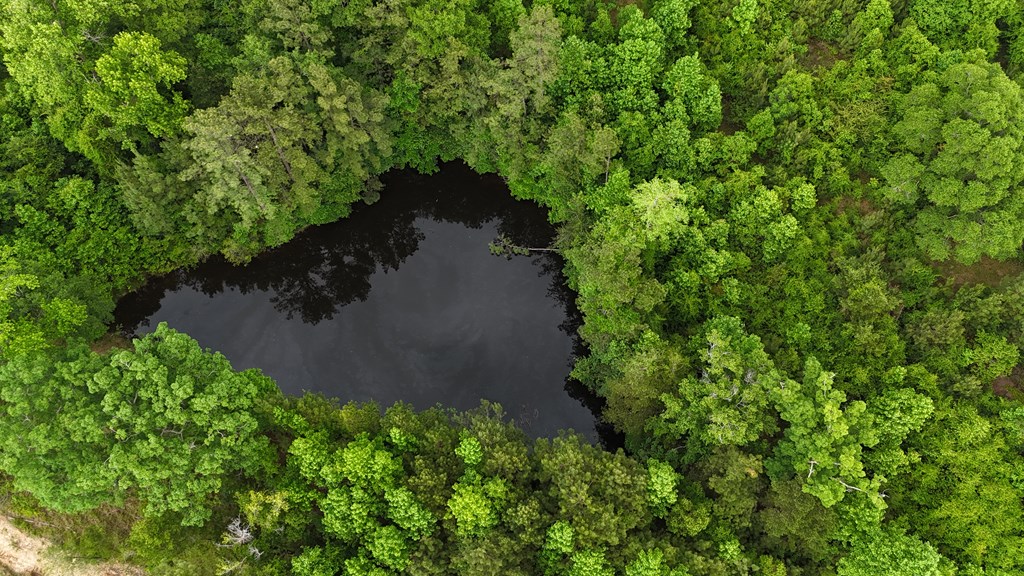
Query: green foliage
[[897, 413], [589, 563], [728, 404], [744, 15], [955, 157], [673, 17], [128, 95], [614, 295], [870, 27], [139, 420], [693, 95], [189, 416], [470, 451], [891, 555], [961, 497], [475, 506], [60, 460], [736, 478], [972, 23], [559, 538], [647, 563], [316, 561], [661, 486], [27, 326], [792, 229], [796, 522], [601, 495], [824, 438]]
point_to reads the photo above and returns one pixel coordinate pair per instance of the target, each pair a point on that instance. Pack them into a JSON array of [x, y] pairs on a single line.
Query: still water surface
[[401, 301]]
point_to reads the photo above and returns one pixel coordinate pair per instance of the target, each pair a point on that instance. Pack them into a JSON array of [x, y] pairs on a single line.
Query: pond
[[403, 300]]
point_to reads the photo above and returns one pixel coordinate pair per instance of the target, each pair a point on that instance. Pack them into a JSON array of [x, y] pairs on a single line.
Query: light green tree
[[960, 24], [134, 93], [166, 421], [693, 94], [181, 421], [891, 554], [824, 442], [53, 442], [729, 403], [961, 496], [32, 320], [957, 159], [661, 486]]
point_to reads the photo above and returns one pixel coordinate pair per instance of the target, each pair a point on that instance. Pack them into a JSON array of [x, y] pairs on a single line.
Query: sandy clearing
[[27, 555]]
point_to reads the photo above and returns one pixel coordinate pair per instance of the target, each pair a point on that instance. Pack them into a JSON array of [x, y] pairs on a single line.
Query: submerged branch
[[503, 246]]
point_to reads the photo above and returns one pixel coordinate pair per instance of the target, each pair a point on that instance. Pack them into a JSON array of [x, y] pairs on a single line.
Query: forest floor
[[987, 271], [110, 341], [22, 554], [1011, 386]]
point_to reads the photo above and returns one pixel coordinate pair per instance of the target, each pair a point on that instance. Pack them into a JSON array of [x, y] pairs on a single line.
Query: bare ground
[[26, 555], [1011, 386], [987, 271]]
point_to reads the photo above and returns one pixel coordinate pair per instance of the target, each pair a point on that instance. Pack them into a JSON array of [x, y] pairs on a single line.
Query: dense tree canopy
[[794, 230]]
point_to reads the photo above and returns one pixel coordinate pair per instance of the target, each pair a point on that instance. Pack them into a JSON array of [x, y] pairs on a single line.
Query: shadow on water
[[362, 307], [328, 267]]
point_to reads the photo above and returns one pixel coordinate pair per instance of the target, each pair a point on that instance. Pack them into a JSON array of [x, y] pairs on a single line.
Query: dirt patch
[[729, 126], [862, 206], [26, 555], [1010, 386], [820, 54], [1003, 386], [987, 271], [110, 341], [19, 552], [620, 4]]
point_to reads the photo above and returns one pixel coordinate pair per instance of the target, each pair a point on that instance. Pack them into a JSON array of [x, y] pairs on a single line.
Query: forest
[[794, 229]]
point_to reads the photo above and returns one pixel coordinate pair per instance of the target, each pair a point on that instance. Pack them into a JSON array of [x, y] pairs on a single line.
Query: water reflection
[[400, 301], [328, 267]]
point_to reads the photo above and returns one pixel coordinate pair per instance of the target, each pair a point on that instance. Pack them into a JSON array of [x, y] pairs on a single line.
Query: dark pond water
[[403, 300]]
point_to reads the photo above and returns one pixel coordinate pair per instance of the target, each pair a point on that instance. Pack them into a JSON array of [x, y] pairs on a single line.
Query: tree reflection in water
[[325, 268]]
